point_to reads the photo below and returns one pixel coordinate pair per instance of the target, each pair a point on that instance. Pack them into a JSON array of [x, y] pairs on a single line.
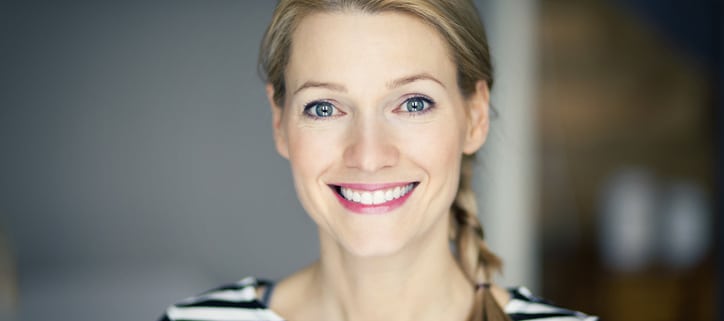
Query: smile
[[373, 199]]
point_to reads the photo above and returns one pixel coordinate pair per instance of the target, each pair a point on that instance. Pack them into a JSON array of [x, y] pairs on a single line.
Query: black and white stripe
[[524, 306], [239, 302], [233, 302]]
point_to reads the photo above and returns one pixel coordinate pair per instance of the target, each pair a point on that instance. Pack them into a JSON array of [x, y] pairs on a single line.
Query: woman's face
[[374, 127]]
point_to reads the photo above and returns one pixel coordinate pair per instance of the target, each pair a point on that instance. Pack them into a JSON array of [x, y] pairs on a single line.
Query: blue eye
[[417, 104], [319, 109]]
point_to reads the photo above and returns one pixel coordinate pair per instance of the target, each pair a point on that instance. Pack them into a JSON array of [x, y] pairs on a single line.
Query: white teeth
[[378, 197], [366, 198], [396, 193], [375, 197]]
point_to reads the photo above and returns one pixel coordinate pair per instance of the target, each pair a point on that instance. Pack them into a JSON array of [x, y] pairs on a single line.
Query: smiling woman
[[379, 107]]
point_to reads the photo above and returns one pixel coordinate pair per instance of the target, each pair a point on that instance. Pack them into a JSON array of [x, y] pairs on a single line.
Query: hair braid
[[474, 256]]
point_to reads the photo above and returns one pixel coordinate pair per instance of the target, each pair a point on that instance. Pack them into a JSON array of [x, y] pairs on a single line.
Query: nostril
[[371, 153]]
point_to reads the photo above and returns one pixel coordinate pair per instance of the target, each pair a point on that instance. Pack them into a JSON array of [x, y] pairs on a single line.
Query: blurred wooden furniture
[[614, 93]]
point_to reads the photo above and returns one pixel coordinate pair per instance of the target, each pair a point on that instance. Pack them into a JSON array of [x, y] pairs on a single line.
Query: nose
[[371, 146]]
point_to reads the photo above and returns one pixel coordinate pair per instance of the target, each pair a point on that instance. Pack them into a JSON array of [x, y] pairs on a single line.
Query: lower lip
[[383, 208]]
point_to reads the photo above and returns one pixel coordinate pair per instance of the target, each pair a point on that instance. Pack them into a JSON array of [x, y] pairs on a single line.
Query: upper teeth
[[375, 197]]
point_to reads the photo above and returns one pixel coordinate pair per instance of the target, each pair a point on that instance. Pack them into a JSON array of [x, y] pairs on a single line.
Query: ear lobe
[[478, 120], [280, 137]]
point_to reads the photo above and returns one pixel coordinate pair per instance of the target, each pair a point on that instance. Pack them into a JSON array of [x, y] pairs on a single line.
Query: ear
[[478, 120], [280, 137]]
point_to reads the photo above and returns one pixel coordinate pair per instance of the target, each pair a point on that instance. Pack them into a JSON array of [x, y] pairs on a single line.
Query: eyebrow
[[409, 79], [317, 84], [390, 85]]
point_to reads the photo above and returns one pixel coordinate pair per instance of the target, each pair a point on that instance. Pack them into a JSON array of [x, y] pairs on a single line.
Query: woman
[[379, 106]]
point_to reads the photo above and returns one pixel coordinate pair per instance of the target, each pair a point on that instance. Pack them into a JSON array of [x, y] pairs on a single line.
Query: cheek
[[310, 149], [434, 147], [311, 154], [301, 155], [437, 150]]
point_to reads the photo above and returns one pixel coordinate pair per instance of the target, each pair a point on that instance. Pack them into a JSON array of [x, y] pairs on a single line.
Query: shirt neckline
[[271, 285]]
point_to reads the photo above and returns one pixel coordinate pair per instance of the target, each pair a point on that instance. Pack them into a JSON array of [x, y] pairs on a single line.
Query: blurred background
[[137, 165]]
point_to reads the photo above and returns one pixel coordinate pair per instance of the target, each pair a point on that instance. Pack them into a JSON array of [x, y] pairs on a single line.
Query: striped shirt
[[239, 302]]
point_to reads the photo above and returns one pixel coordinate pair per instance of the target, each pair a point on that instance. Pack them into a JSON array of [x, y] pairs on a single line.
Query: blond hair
[[458, 23]]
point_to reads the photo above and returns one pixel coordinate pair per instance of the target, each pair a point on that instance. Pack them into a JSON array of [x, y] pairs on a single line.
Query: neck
[[420, 282]]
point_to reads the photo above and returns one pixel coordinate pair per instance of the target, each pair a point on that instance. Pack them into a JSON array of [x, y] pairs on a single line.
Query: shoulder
[[235, 301], [523, 305]]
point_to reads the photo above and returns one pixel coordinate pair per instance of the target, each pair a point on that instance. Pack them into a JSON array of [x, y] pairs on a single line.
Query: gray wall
[[137, 160]]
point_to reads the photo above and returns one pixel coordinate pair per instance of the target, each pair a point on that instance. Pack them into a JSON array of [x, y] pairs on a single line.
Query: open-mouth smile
[[373, 199]]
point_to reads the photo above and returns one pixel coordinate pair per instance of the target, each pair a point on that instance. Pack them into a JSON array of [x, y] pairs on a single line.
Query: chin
[[371, 247]]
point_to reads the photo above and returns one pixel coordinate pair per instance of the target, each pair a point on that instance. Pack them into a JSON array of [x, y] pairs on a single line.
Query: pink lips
[[381, 208]]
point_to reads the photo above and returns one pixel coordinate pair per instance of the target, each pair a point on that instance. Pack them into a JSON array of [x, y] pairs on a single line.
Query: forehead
[[351, 47]]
